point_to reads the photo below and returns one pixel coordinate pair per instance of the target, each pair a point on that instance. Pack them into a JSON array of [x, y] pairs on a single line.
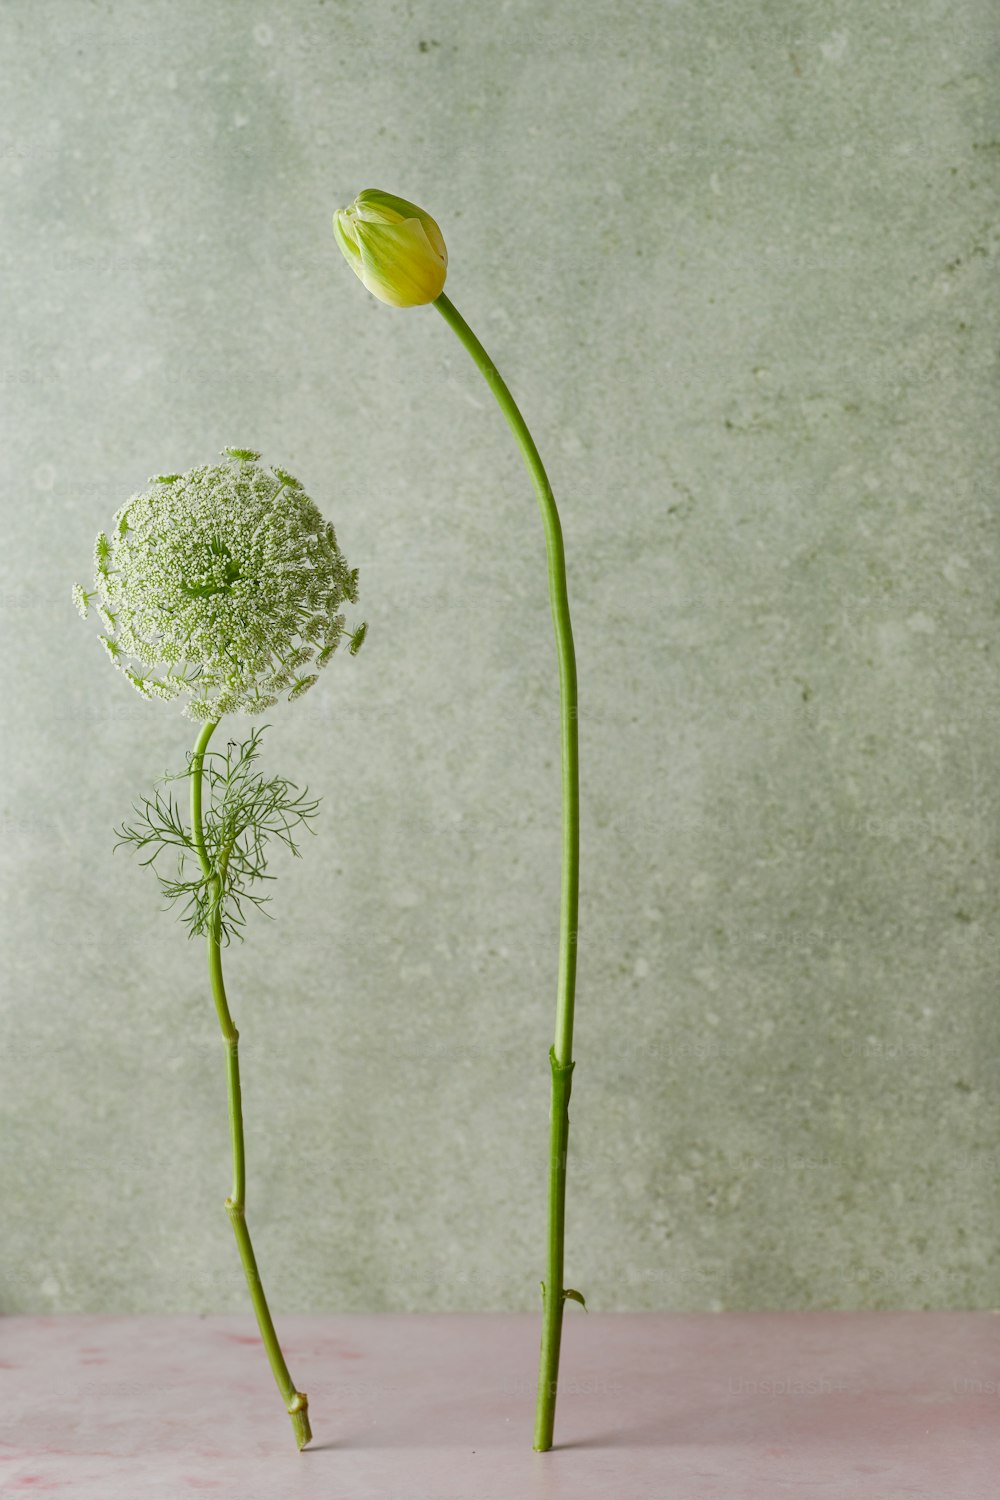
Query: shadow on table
[[880, 1417]]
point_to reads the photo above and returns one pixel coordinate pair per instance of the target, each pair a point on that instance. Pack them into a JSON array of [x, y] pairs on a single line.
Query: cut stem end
[[299, 1413]]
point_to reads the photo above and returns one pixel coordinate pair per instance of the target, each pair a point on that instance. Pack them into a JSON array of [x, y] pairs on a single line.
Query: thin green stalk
[[296, 1402], [561, 1055]]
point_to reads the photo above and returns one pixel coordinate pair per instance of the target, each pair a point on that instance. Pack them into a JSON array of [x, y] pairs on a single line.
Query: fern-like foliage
[[242, 811]]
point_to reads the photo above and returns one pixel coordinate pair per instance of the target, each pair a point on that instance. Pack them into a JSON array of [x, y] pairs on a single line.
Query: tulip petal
[[398, 263], [376, 207], [343, 234]]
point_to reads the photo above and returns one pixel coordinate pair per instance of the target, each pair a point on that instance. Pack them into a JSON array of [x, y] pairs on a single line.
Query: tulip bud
[[395, 248]]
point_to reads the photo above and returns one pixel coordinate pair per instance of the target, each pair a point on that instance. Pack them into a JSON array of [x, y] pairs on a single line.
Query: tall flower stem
[[561, 1053], [296, 1402]]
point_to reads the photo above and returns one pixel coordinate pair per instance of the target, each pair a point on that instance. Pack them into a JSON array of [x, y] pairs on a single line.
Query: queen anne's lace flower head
[[224, 584]]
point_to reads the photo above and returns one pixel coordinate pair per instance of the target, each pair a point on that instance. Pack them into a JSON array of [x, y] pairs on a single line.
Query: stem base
[[553, 1292], [299, 1413]]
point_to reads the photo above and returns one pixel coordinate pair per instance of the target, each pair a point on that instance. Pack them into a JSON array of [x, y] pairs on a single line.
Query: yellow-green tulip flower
[[399, 254], [395, 248]]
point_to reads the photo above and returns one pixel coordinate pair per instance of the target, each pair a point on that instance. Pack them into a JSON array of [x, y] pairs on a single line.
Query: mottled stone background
[[735, 263]]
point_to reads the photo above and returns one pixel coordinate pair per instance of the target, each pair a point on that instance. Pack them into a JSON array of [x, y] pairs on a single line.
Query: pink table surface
[[729, 1406]]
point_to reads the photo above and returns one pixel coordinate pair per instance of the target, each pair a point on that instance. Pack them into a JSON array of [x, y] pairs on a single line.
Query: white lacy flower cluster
[[223, 584]]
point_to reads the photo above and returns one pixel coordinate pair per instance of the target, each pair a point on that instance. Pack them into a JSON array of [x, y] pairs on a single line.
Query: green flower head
[[223, 585]]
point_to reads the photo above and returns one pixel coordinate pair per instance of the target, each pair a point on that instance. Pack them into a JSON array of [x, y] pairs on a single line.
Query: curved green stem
[[561, 1056], [296, 1402]]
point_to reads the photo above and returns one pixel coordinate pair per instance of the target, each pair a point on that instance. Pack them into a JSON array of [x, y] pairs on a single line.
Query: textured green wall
[[734, 262]]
